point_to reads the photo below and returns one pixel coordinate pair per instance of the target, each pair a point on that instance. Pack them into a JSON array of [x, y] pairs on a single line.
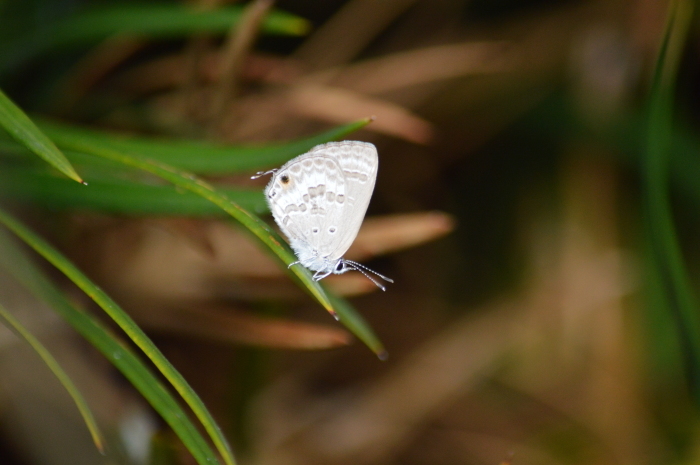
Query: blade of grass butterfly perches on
[[251, 222]]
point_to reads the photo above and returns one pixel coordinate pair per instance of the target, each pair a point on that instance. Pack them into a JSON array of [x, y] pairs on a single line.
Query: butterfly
[[319, 200]]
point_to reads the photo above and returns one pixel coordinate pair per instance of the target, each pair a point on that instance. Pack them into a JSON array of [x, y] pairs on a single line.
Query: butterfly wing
[[358, 162], [306, 197]]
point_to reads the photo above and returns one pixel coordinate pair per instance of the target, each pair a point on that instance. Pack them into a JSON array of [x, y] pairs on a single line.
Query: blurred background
[[534, 317]]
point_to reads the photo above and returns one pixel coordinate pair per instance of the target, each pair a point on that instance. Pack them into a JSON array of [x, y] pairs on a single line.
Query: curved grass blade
[[24, 131], [145, 19], [12, 323], [125, 322], [358, 326], [132, 198], [666, 253], [164, 21], [626, 137], [122, 357], [190, 182], [255, 225], [200, 157], [118, 196]]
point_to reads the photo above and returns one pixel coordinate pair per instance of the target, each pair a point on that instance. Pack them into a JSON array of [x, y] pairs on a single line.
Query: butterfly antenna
[[319, 276], [351, 267], [260, 174], [389, 280], [363, 269]]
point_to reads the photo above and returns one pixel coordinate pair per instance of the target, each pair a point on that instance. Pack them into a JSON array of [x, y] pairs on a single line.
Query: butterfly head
[[340, 267]]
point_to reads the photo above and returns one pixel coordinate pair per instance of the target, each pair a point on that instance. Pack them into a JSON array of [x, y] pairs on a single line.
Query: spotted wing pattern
[[306, 197], [359, 163], [320, 198]]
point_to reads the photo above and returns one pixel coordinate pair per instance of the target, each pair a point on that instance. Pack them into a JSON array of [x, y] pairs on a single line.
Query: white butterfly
[[319, 200]]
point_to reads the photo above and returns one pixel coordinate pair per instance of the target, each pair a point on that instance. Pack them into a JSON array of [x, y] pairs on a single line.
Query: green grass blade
[[173, 20], [117, 196], [12, 323], [251, 222], [352, 320], [199, 157], [128, 326], [122, 357], [627, 138], [198, 186], [164, 21], [666, 253], [24, 131]]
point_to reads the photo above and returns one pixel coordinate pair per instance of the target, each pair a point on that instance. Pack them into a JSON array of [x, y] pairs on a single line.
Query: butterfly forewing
[[358, 162]]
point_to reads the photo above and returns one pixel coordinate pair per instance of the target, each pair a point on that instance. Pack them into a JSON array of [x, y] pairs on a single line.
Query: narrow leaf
[[190, 182], [128, 325], [666, 252], [120, 197], [357, 325], [164, 20], [255, 225], [24, 131], [199, 157], [122, 357], [144, 19], [12, 323]]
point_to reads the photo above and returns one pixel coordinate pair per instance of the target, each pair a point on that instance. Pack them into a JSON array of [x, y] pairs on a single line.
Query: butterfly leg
[[293, 263], [319, 275], [260, 174]]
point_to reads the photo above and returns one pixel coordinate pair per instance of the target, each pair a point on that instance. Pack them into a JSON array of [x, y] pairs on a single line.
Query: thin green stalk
[[127, 324], [666, 252], [13, 323], [24, 131], [16, 262], [197, 156], [255, 225]]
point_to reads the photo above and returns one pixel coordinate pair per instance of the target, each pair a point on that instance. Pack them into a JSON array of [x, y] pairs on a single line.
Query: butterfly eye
[[284, 179], [339, 266]]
